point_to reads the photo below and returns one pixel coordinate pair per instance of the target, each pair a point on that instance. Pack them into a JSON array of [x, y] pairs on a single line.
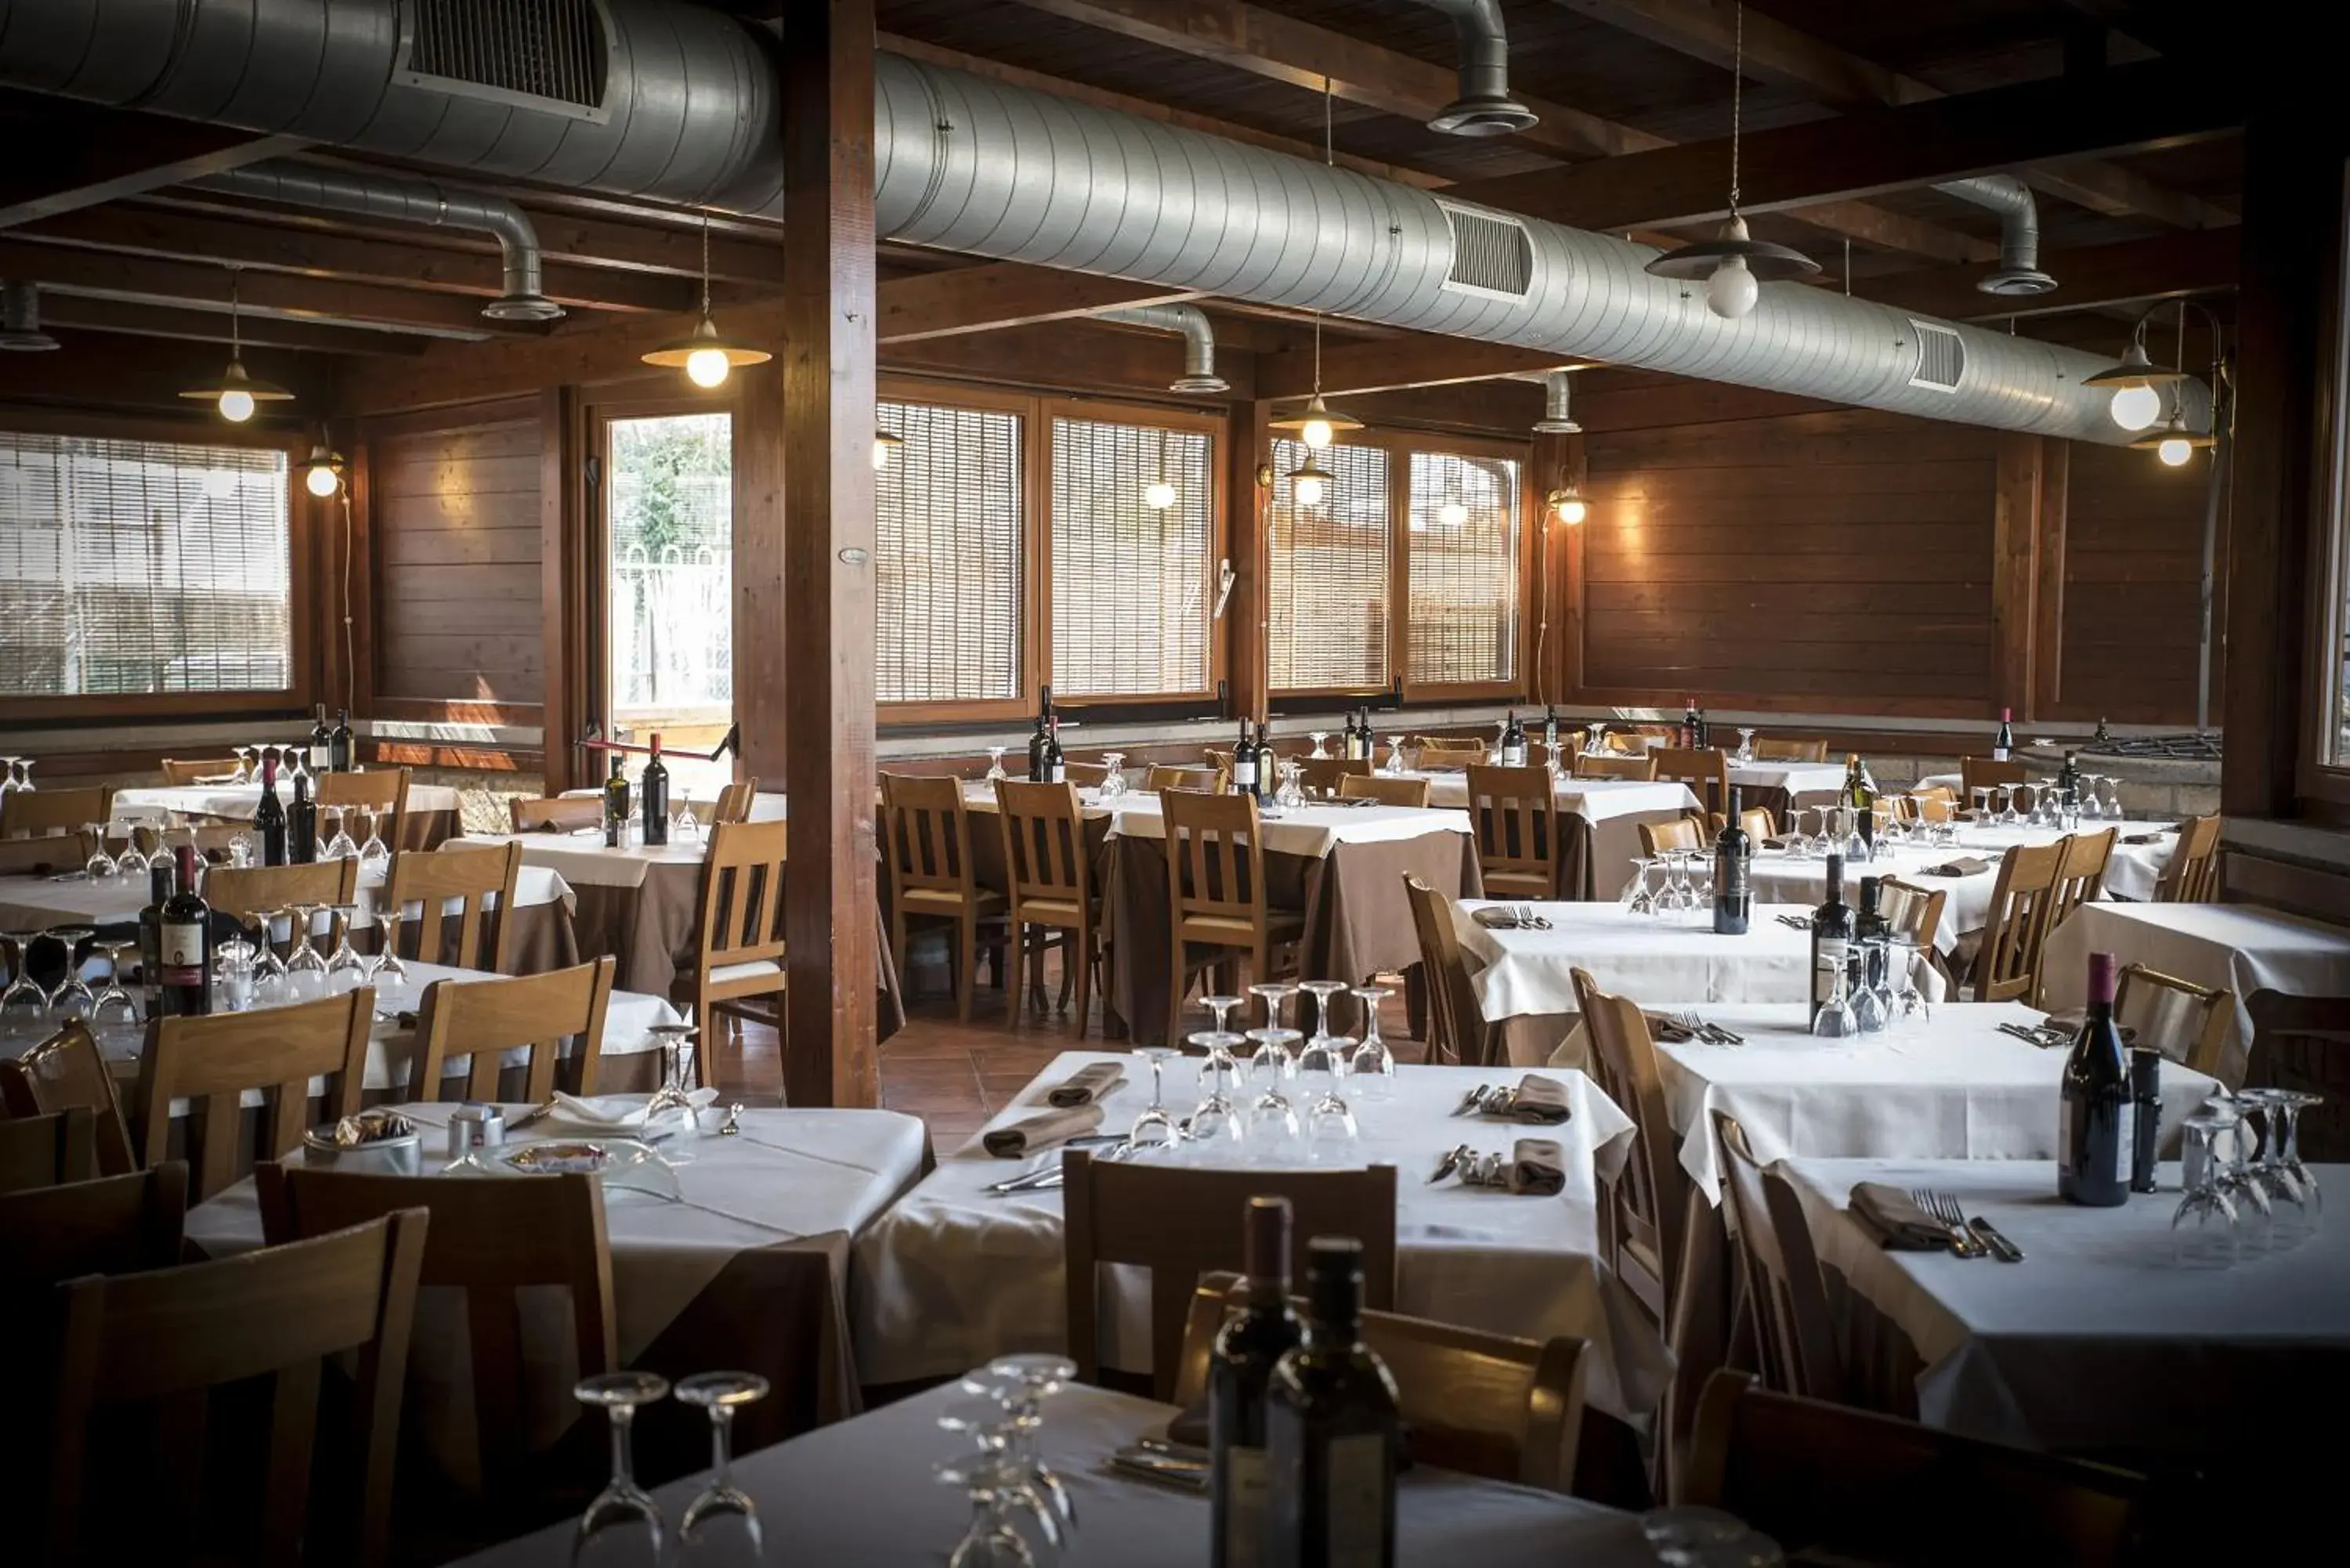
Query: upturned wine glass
[[1636, 898], [995, 763], [1372, 1070], [1272, 1063], [1745, 745], [2203, 1229], [114, 1010], [385, 972], [1022, 1383], [101, 864], [1112, 785], [623, 1524], [346, 971], [1835, 1019], [1272, 993], [268, 969], [306, 966], [722, 1394], [1395, 755], [71, 997], [132, 861], [25, 1005], [340, 845], [1153, 1126], [373, 852], [1318, 737]]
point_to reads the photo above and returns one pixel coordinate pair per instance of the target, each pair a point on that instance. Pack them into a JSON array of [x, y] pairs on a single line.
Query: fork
[[1962, 1241]]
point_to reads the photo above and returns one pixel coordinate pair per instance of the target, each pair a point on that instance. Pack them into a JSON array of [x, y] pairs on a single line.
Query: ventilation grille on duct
[[1491, 256], [1941, 357], [546, 55]]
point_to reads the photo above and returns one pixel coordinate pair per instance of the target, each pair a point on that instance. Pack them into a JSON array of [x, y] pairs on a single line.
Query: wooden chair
[[46, 813], [1320, 777], [1755, 819], [47, 1152], [1773, 750], [68, 1072], [1606, 765], [43, 857], [1644, 1213], [493, 1241], [1182, 1223], [1220, 760], [470, 875], [2301, 1042], [2186, 1022], [255, 892], [1937, 805], [2007, 964], [557, 814], [1084, 775], [1681, 833], [2081, 874], [1444, 752], [927, 847], [1216, 895], [2192, 877], [1457, 1026], [1052, 898], [1830, 1483], [1517, 825], [1161, 778], [739, 955], [480, 1020], [1911, 912], [1986, 770], [1479, 1403], [109, 1225], [1782, 1273], [1385, 788], [170, 1336], [383, 793], [276, 1049], [734, 802], [180, 775], [1706, 772]]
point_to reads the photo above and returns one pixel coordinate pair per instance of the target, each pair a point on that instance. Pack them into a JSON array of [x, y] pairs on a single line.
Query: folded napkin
[[1896, 1222], [1087, 1085], [1032, 1134], [615, 1113], [1666, 1031], [1502, 917], [1775, 844], [1964, 865], [2145, 837], [1535, 1099], [1538, 1164], [1188, 1426]]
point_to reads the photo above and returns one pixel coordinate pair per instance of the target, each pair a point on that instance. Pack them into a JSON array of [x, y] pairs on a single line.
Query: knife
[[2005, 1251]]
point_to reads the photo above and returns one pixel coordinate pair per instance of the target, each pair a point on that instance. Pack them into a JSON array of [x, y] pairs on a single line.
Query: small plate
[[561, 1158]]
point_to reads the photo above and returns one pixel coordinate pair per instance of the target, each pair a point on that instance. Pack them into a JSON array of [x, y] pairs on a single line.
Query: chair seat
[[1233, 930], [1052, 911], [758, 969], [947, 901]]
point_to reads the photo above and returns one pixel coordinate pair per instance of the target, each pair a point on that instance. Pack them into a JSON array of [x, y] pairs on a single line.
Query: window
[[671, 547], [137, 567], [946, 534], [1131, 581], [1330, 580], [1462, 557]]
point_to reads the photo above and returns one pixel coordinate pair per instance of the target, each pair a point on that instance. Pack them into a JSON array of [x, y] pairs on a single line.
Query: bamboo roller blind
[[1130, 581]]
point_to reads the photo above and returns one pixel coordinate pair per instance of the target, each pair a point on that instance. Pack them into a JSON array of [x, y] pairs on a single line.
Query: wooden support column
[[760, 610], [1558, 461], [830, 918], [561, 636], [2048, 630], [1245, 615], [2015, 571]]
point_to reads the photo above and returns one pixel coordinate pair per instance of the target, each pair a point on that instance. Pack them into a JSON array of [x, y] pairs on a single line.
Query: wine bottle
[[1248, 1347], [1860, 796], [2145, 1116], [1332, 1433], [1244, 763], [1353, 747], [184, 946], [2068, 786], [1036, 740], [339, 745], [1688, 722], [302, 825], [1550, 732], [1831, 936], [1370, 741], [2005, 742], [1733, 871], [1057, 765], [1865, 966], [1701, 731], [652, 789], [160, 877], [2104, 733], [616, 803], [1513, 741], [2094, 1145], [269, 816], [322, 744]]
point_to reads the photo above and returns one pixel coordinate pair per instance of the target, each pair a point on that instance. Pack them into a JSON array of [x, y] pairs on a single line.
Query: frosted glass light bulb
[[2135, 408], [236, 407], [1730, 290], [1572, 511], [1158, 495], [320, 481], [1316, 434], [707, 367], [1305, 489], [2174, 451]]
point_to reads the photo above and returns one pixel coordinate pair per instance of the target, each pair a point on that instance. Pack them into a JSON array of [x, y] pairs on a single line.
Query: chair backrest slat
[[1775, 749], [1987, 773], [2192, 875], [470, 875], [276, 1050], [1911, 912], [383, 793], [1215, 781], [479, 1021], [2007, 965], [1384, 788], [1045, 853], [1516, 825], [249, 892], [1705, 770], [1609, 765], [734, 802], [926, 834], [1215, 857], [2081, 874], [48, 813], [742, 894], [557, 814]]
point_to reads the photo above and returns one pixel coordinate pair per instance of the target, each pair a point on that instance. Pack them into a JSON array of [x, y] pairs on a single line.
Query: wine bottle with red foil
[[652, 788], [1248, 1347], [2094, 1142], [1331, 1428], [183, 938], [2002, 745]]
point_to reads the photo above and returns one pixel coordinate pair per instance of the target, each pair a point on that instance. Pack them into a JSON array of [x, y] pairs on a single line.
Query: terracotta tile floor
[[956, 1075]]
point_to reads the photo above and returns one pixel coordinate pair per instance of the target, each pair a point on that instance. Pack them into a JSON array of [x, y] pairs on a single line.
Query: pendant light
[[1310, 483], [1567, 505], [323, 470], [1159, 494], [2173, 443], [2138, 381], [236, 393], [705, 355], [1317, 423], [1733, 265]]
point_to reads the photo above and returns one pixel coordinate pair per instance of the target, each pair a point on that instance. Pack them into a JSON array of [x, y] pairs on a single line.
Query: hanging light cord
[[705, 264], [1737, 97], [235, 338], [350, 658], [1328, 161]]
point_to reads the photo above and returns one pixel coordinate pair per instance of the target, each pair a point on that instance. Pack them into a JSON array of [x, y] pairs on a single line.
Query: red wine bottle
[[2004, 745], [1244, 763], [339, 745], [1331, 1429], [652, 785], [1832, 934], [302, 825], [322, 744], [184, 946], [1249, 1346], [2093, 1145], [1733, 871], [269, 816]]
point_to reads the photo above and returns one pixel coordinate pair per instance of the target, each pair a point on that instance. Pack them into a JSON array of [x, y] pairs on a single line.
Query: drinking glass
[[1215, 1121], [2289, 1218], [1269, 1136], [1982, 794], [1271, 1063], [674, 1042], [2285, 1107], [385, 972], [132, 862], [71, 997], [623, 1514], [101, 864], [1595, 739], [1910, 1008], [1222, 1006], [25, 774], [114, 1009], [1290, 793], [1835, 1020], [1872, 998], [1272, 993], [2235, 1179], [2203, 1229], [1112, 785], [2007, 817], [268, 969], [1745, 745], [995, 763], [685, 827], [994, 1484], [1373, 1068], [1220, 1070], [1153, 1127], [1024, 1382], [232, 975], [346, 971], [2113, 795], [373, 853], [340, 845], [1331, 1135], [306, 968], [1321, 990], [720, 1394], [1637, 899], [1317, 737], [7, 774], [25, 1005], [1395, 753]]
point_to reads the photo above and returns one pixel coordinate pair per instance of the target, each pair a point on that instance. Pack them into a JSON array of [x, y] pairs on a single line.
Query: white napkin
[[615, 1113]]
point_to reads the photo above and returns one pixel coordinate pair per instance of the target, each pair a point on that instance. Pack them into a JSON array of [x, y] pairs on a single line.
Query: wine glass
[[2289, 1216], [1272, 993], [1318, 737], [2285, 1105], [133, 862], [7, 773], [1290, 794], [1595, 741], [71, 997], [373, 853], [1331, 1133], [233, 974], [340, 845], [1025, 1382], [1745, 753], [1636, 898], [2203, 1228], [1395, 755], [1373, 1068], [306, 966], [1153, 1126], [1910, 1008], [346, 971], [113, 1010], [385, 972], [995, 763], [623, 1513], [25, 774], [1835, 1020], [1269, 1136], [268, 969], [720, 1394], [1872, 996], [1112, 785], [1271, 1063], [685, 827], [25, 1005], [101, 864], [2008, 815]]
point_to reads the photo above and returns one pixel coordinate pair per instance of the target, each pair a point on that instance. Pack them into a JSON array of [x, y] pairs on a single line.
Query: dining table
[[434, 812], [956, 1273], [727, 1250], [1778, 785], [1600, 838]]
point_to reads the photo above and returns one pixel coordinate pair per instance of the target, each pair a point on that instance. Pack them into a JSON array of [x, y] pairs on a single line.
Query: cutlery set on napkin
[[1685, 1028], [1537, 1099], [1510, 918], [1923, 1221], [1534, 1165], [1964, 865]]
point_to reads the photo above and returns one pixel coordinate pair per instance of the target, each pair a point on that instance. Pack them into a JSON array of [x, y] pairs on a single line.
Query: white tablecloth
[[1525, 973], [861, 1494], [2239, 946], [2097, 1340], [1954, 1088], [952, 1275], [766, 804], [238, 801], [1594, 800], [1309, 831], [29, 903], [1795, 778], [583, 860]]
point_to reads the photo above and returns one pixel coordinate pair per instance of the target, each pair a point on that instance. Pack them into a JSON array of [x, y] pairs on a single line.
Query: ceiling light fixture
[[2174, 443], [236, 393], [705, 355], [1309, 482], [1733, 266], [2136, 381], [1317, 423]]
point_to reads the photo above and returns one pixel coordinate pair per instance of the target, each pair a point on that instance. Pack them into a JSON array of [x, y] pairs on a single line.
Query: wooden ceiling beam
[[997, 295], [121, 316], [85, 156], [1398, 364], [2132, 106], [2195, 261]]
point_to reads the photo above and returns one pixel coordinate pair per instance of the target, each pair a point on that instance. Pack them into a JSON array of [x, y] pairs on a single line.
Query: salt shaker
[[474, 1128]]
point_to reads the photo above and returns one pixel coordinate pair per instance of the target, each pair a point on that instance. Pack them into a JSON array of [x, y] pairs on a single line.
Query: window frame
[[2322, 780], [302, 604]]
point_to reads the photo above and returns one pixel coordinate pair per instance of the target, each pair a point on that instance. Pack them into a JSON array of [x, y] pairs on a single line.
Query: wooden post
[[830, 918], [2015, 571], [1244, 545], [2048, 632], [560, 632], [1567, 622], [759, 610], [1558, 461]]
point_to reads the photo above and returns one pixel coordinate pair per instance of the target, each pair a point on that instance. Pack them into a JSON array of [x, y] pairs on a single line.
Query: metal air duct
[[385, 198], [1198, 341], [2019, 231], [1558, 417], [20, 318], [1484, 107], [687, 112]]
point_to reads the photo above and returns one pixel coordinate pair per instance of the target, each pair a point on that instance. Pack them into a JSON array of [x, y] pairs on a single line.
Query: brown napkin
[[1775, 844], [1086, 1085], [1666, 1032], [1538, 1164], [2144, 839], [1188, 1426], [1897, 1224], [1032, 1134], [1964, 865], [1535, 1099], [1502, 917]]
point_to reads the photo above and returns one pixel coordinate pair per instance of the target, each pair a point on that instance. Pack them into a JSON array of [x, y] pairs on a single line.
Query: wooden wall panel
[[2133, 564], [459, 612], [1838, 559]]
